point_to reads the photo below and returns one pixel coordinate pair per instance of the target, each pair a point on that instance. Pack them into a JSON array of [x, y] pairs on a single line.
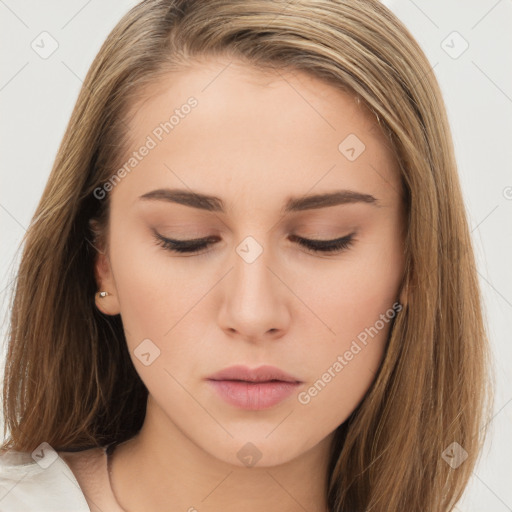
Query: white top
[[44, 485]]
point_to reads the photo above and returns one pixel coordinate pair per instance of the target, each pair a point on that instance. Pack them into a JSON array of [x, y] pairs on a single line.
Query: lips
[[264, 373], [253, 389]]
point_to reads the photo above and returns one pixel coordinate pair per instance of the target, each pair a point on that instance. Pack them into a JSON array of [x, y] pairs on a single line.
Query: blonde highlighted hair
[[69, 379]]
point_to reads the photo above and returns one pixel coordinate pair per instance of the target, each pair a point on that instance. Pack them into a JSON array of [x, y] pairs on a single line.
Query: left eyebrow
[[293, 204]]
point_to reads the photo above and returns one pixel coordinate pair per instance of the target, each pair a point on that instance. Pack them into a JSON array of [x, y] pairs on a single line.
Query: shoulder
[[41, 481]]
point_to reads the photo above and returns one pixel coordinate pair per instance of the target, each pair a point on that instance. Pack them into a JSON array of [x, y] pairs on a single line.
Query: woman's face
[[260, 146]]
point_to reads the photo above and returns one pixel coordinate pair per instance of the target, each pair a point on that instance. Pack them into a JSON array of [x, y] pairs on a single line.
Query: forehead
[[255, 133]]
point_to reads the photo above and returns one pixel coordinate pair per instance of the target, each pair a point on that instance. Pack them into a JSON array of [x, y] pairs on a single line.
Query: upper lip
[[263, 373]]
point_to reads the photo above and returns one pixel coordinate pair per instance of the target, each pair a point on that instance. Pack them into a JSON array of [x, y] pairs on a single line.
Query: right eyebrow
[[329, 199]]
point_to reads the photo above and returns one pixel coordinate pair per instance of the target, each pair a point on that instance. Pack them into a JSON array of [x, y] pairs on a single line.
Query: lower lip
[[253, 396]]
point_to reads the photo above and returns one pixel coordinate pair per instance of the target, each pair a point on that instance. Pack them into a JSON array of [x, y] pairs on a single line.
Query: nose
[[255, 298]]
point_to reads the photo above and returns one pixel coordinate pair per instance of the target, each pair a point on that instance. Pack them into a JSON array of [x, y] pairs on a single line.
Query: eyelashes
[[314, 246], [185, 246], [325, 246]]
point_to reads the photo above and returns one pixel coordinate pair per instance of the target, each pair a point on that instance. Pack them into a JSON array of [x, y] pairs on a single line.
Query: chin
[[258, 451]]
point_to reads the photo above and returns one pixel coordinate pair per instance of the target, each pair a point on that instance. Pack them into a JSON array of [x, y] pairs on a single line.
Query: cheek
[[349, 295], [155, 291], [340, 386], [342, 367], [160, 306], [345, 349]]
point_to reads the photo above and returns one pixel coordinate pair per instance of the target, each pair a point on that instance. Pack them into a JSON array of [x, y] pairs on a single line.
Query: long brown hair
[[69, 379]]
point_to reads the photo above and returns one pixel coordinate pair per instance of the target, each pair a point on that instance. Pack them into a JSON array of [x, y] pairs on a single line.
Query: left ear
[[109, 305]]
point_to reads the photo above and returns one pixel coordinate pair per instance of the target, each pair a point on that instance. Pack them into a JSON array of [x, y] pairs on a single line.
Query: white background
[[37, 96]]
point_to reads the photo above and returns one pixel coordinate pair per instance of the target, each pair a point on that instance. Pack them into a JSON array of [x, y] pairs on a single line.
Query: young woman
[[250, 273]]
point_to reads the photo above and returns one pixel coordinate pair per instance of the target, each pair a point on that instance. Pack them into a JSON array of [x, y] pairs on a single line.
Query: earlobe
[[107, 303], [106, 297]]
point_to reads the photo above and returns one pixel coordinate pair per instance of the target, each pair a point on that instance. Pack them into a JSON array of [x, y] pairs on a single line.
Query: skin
[[255, 139]]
